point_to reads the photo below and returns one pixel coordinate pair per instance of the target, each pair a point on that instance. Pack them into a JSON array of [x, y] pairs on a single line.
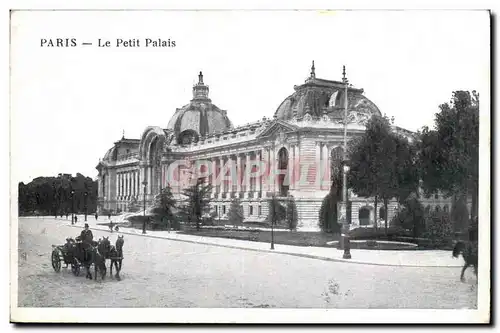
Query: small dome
[[111, 155], [319, 97], [198, 118]]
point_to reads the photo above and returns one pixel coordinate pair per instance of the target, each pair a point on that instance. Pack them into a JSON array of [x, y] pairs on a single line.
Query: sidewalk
[[412, 258]]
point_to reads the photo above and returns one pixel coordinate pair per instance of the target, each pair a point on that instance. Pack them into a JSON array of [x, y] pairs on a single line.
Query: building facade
[[290, 154]]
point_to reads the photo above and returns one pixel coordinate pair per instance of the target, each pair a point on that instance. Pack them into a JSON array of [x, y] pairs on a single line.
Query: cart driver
[[86, 235]]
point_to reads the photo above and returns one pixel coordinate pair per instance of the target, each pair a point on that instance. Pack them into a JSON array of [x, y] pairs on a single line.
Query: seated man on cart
[[86, 235]]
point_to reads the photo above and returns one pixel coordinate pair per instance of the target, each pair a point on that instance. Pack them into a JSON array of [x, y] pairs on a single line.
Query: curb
[[303, 255]]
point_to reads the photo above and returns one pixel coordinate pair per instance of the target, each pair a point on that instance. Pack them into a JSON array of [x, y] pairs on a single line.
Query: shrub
[[411, 217], [235, 213], [377, 233], [277, 212], [328, 215], [291, 214], [439, 228]]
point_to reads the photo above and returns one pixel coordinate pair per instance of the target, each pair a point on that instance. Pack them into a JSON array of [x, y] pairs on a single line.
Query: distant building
[[301, 143]]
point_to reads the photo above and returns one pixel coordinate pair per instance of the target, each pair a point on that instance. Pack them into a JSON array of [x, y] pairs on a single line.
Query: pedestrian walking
[[96, 216]]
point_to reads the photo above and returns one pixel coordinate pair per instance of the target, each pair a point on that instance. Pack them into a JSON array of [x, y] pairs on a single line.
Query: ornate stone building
[[290, 154]]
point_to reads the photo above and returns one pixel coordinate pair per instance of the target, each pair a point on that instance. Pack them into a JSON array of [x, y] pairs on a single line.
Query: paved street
[[166, 273]]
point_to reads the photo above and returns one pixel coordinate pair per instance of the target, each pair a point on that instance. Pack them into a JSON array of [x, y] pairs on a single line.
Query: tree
[[291, 214], [276, 211], [382, 164], [164, 204], [459, 213], [235, 213], [449, 153], [197, 201], [411, 216], [328, 211], [51, 195]]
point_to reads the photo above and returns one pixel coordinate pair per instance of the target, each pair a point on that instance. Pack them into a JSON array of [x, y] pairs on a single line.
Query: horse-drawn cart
[[77, 254], [60, 254]]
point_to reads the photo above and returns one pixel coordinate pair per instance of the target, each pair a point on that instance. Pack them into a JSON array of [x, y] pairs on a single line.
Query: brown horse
[[468, 250], [115, 254]]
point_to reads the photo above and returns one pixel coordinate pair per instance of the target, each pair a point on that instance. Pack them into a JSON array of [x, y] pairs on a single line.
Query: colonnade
[[128, 184]]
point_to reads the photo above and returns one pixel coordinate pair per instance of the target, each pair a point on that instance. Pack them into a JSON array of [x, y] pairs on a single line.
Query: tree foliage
[[383, 164], [235, 213], [328, 211], [438, 228], [449, 153], [53, 195], [277, 212], [164, 205], [197, 203], [411, 216]]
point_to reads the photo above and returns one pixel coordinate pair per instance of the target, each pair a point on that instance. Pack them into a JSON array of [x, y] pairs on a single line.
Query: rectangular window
[[216, 209], [260, 210], [251, 210], [223, 209]]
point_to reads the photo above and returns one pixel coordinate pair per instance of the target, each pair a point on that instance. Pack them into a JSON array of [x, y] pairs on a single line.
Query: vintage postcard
[[250, 166]]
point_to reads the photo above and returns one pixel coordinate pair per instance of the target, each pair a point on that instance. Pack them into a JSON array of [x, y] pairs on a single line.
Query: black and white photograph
[[250, 166]]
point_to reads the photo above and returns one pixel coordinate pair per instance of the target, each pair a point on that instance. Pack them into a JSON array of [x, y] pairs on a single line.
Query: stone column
[[274, 166], [259, 177], [213, 172], [325, 173], [120, 190], [270, 162], [292, 169], [318, 165], [151, 178], [238, 173], [248, 170]]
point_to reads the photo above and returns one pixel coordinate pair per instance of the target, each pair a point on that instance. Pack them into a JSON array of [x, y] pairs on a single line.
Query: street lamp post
[[72, 206], [342, 216], [85, 204], [145, 183]]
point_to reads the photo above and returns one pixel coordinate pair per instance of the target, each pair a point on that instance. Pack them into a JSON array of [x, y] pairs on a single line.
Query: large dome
[[198, 118], [319, 97]]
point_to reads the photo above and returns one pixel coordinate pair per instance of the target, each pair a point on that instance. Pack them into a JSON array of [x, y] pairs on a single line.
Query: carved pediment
[[277, 127]]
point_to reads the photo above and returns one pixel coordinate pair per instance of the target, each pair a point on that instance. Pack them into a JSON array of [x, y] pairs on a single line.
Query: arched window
[[427, 209], [446, 209], [381, 213], [364, 216], [283, 165], [437, 209]]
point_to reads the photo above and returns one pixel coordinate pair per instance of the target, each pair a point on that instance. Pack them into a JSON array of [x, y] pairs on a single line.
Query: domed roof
[[110, 155], [318, 97], [200, 116]]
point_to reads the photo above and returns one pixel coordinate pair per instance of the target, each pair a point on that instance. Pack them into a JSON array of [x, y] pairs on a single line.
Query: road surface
[[167, 273]]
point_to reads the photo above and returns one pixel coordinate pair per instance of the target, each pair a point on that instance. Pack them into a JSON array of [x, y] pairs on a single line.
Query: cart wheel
[[75, 268], [56, 260]]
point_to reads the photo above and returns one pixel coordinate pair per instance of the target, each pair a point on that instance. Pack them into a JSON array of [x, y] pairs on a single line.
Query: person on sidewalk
[[96, 216]]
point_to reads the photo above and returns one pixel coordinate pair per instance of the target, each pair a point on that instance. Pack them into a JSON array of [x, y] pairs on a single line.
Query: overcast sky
[[69, 105]]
